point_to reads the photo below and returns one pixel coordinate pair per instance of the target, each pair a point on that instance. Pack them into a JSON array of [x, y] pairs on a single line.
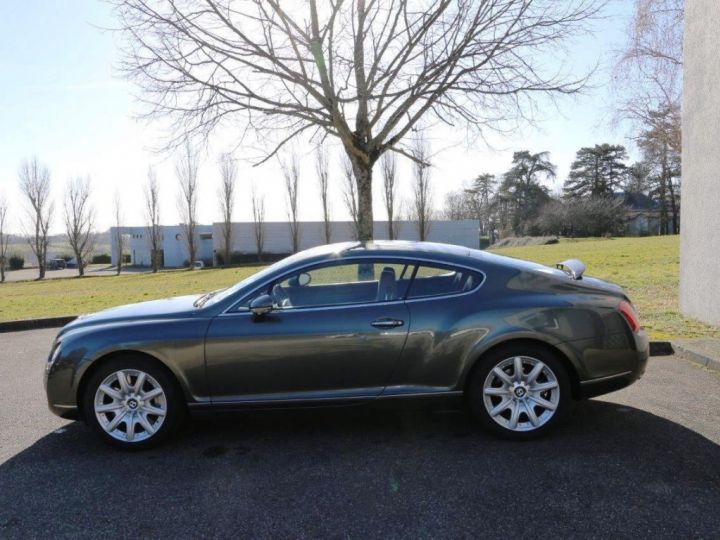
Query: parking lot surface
[[641, 462], [28, 274]]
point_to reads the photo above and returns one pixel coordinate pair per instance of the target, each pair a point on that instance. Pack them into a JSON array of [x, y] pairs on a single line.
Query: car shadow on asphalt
[[610, 470]]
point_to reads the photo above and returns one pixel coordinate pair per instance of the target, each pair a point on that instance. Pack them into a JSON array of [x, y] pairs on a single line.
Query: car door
[[335, 331]]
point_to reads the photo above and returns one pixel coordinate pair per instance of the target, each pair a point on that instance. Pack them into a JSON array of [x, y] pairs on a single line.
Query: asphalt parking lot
[[641, 462]]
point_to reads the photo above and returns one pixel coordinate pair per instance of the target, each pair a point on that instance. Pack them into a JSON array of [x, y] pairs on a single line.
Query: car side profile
[[355, 323]]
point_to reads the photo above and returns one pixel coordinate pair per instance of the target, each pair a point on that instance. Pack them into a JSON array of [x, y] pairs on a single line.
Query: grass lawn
[[70, 296], [648, 268]]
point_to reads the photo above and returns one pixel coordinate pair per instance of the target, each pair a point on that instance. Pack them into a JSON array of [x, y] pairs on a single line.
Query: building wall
[[278, 240], [700, 227], [173, 245]]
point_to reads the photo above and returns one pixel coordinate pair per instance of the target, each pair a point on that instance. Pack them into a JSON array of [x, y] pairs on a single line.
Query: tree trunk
[[363, 178], [673, 207]]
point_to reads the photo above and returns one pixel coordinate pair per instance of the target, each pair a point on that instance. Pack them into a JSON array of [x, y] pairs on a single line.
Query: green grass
[[648, 268], [70, 296]]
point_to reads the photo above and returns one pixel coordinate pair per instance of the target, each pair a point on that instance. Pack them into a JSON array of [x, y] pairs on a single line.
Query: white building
[[173, 252], [277, 239]]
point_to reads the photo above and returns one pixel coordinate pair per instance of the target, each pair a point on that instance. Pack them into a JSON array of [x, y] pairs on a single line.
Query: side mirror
[[262, 305]]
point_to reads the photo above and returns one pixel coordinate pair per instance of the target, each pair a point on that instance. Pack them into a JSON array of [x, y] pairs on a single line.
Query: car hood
[[175, 307]]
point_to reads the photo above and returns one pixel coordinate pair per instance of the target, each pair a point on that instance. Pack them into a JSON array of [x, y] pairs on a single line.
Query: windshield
[[250, 281]]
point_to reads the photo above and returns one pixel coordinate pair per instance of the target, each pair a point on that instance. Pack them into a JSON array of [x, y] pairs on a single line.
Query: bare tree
[[119, 232], [321, 167], [4, 236], [186, 171], [226, 196], [79, 221], [258, 210], [422, 196], [649, 69], [350, 195], [389, 173], [365, 72], [152, 219], [35, 186], [291, 173]]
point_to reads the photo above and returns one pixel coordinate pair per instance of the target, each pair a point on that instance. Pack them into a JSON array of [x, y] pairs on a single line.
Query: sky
[[62, 99]]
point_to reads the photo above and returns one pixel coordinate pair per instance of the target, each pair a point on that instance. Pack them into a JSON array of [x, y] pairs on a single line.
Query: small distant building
[[642, 214], [173, 252], [277, 239]]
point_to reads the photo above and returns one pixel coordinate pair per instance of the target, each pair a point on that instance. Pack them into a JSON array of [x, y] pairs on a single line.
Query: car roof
[[448, 253]]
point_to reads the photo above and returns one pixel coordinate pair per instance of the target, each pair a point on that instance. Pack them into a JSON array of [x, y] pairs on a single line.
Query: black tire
[[476, 398], [174, 402]]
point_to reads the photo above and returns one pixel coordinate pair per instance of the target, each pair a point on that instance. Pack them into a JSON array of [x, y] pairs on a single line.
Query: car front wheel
[[133, 404], [519, 392]]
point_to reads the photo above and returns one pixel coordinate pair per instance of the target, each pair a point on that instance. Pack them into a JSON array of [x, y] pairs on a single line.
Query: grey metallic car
[[355, 323]]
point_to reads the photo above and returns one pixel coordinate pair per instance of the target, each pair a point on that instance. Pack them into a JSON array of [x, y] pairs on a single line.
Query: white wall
[[173, 245], [700, 226], [278, 239]]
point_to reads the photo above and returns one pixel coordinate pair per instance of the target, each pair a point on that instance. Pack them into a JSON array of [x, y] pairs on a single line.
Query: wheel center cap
[[520, 392], [132, 404]]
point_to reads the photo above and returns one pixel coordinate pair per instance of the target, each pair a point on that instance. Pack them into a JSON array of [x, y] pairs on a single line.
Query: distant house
[[642, 214]]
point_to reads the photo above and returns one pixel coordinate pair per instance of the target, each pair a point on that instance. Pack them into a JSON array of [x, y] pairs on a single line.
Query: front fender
[[178, 344]]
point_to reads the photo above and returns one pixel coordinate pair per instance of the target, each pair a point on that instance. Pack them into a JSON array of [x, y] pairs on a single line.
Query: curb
[[699, 358], [35, 324]]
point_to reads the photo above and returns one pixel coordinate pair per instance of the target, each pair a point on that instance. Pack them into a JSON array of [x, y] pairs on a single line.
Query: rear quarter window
[[431, 280]]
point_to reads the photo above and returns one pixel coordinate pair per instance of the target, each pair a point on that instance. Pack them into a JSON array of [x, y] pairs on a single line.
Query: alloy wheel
[[130, 405], [521, 393]]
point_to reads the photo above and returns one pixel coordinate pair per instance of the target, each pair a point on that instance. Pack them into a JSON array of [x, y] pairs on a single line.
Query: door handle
[[387, 322]]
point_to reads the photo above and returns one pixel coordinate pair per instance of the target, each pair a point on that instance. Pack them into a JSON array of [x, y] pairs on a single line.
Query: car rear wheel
[[519, 392], [133, 404]]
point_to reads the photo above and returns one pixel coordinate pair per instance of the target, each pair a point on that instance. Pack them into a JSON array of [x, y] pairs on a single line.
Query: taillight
[[628, 311]]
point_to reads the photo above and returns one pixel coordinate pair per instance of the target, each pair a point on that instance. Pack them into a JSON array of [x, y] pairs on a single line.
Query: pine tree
[[596, 171], [521, 195]]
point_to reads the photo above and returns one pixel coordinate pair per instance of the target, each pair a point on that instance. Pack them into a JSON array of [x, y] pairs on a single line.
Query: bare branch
[[34, 180], [79, 221], [226, 198]]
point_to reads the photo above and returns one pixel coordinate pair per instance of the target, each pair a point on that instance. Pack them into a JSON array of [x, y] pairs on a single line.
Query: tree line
[[79, 213], [519, 202]]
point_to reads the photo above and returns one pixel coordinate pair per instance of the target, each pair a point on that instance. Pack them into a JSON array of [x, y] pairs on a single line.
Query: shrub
[[101, 258], [16, 262], [580, 217]]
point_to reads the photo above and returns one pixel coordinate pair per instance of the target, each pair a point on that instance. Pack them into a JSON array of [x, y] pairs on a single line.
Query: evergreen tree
[[596, 171], [638, 178], [521, 195]]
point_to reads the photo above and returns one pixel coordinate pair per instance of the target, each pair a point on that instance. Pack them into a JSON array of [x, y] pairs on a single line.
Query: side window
[[436, 280], [340, 284]]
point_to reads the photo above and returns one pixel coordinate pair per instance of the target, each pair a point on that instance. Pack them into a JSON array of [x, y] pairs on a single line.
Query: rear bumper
[[610, 383]]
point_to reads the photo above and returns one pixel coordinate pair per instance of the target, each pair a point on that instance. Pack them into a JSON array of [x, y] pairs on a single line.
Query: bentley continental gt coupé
[[354, 323]]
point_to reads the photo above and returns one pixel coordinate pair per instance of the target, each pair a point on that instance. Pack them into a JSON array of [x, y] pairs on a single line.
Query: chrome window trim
[[417, 260]]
